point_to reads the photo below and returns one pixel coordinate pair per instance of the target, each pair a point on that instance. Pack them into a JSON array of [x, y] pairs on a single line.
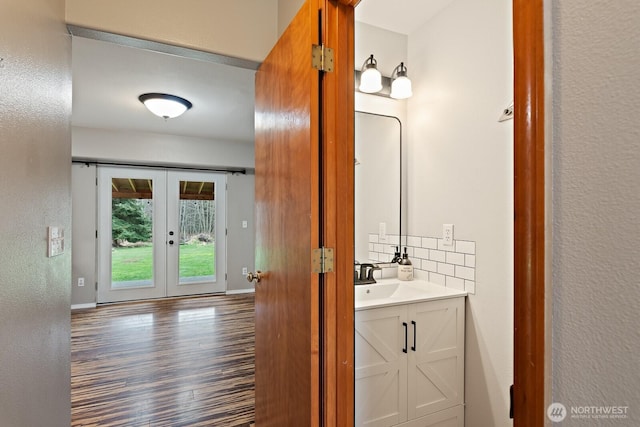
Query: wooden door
[[304, 200]]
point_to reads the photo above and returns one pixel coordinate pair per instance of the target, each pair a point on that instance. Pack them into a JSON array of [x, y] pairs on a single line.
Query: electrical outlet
[[447, 234], [244, 271], [244, 224], [382, 232], [80, 281]]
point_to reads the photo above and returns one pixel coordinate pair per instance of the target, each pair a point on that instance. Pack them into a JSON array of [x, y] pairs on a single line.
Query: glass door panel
[[132, 225], [196, 217]]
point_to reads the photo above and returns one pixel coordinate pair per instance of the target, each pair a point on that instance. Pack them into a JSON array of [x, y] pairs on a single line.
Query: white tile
[[378, 247], [466, 247], [470, 286], [414, 241], [455, 283], [421, 253], [443, 247], [393, 239], [373, 256], [430, 265], [373, 238], [455, 258], [465, 273], [436, 255], [385, 257], [403, 241], [371, 247], [436, 278], [410, 252], [430, 243], [470, 261], [446, 269]]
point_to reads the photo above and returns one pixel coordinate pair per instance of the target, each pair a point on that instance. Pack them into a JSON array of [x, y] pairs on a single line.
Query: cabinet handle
[[415, 327], [406, 327]]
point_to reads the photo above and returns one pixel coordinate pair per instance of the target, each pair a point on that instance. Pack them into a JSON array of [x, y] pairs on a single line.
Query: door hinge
[[322, 260], [322, 58]]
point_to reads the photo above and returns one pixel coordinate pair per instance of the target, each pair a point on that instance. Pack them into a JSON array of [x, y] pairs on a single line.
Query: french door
[[161, 233]]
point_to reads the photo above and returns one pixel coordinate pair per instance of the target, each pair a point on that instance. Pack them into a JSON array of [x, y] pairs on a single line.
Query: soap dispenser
[[405, 268]]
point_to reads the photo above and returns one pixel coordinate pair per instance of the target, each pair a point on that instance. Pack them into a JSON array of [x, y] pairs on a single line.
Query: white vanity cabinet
[[409, 364]]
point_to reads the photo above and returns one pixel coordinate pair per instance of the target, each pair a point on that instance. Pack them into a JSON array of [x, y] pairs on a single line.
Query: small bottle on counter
[[405, 268]]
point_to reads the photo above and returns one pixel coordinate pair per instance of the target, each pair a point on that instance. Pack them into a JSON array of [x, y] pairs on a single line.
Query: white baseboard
[[241, 291], [83, 306]]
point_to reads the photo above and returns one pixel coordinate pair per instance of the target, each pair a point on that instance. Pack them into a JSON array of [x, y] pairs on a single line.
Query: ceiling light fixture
[[164, 105], [370, 77], [400, 83]]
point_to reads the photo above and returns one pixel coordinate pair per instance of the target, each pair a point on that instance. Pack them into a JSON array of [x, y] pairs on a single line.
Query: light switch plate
[[55, 241], [244, 224]]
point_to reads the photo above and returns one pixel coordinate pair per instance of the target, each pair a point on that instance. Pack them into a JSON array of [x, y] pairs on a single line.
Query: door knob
[[171, 242], [254, 277]]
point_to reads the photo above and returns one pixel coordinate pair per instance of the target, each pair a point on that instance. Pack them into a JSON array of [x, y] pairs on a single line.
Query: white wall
[[240, 241], [596, 200], [35, 172], [157, 149], [246, 29], [287, 9], [460, 171], [84, 215]]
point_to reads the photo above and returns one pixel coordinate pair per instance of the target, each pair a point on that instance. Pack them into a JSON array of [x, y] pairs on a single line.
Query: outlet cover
[[447, 234]]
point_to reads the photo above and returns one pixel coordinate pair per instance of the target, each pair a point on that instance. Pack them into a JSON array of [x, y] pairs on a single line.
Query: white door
[[161, 233]]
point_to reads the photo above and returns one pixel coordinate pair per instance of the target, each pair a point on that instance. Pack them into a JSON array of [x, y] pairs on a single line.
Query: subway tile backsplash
[[452, 266]]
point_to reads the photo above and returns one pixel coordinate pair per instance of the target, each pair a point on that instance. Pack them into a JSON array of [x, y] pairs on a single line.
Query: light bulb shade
[[400, 83], [401, 88], [164, 105], [370, 78]]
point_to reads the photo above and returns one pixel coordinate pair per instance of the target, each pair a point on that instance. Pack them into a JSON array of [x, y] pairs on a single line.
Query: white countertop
[[388, 292]]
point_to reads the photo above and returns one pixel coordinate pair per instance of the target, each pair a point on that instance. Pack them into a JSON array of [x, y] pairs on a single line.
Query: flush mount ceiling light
[[400, 83], [370, 77], [164, 105]]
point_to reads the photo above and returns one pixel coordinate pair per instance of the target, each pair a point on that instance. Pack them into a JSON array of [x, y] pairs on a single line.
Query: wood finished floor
[[164, 363]]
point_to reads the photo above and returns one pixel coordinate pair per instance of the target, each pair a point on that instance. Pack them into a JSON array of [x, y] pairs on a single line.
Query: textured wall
[[596, 205], [460, 171], [35, 172]]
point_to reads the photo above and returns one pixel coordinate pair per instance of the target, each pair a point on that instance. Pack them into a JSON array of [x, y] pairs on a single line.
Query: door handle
[[406, 327], [415, 327], [254, 277], [171, 242]]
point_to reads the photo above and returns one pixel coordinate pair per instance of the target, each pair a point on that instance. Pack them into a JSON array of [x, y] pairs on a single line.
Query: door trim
[[529, 208], [338, 113]]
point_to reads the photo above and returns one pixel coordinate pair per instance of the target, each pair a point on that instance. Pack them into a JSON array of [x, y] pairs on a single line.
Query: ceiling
[[400, 16], [109, 77]]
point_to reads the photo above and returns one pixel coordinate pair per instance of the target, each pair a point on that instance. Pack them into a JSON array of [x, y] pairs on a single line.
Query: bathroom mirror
[[378, 201]]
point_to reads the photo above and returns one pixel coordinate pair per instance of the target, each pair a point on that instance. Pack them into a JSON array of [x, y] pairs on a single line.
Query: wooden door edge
[[338, 210], [529, 207]]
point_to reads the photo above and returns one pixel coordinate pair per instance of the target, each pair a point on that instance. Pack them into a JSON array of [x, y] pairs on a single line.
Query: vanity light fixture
[[165, 105], [370, 80], [400, 83], [370, 77]]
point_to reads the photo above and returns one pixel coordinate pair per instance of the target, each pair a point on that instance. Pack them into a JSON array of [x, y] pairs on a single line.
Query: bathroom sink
[[393, 292]]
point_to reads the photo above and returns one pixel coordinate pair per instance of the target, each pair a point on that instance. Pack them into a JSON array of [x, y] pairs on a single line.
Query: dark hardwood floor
[[164, 363]]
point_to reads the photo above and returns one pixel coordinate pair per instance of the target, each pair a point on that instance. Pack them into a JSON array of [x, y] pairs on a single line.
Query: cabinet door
[[436, 365], [452, 417], [380, 367]]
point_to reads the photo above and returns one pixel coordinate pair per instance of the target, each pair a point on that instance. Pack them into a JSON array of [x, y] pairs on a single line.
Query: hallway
[[164, 363]]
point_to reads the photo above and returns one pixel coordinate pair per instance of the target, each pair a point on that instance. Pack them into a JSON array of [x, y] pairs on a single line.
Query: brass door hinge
[[322, 260], [322, 58]]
